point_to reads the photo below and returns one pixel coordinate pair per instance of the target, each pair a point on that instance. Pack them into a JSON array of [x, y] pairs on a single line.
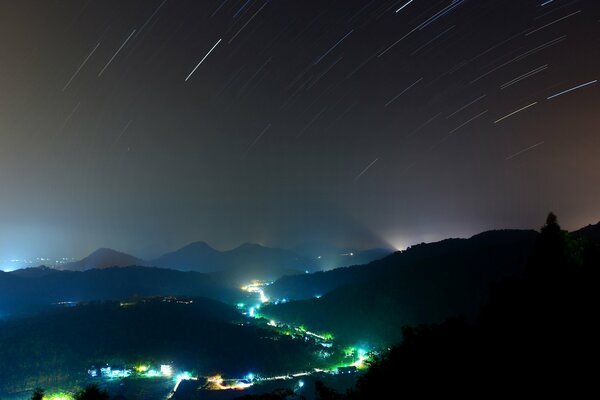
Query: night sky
[[144, 125]]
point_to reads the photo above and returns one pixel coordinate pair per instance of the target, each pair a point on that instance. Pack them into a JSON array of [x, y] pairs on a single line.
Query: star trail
[[142, 125]]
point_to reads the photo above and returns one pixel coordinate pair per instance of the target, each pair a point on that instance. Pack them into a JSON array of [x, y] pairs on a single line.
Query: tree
[[554, 251], [38, 394], [92, 392]]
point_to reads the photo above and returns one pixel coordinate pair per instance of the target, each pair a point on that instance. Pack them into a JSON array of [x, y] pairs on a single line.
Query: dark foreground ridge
[[533, 337]]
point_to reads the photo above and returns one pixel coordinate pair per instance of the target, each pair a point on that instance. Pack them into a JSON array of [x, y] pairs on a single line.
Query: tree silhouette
[[38, 394], [92, 392], [555, 251]]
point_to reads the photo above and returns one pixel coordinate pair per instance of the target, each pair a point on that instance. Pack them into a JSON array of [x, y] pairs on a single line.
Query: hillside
[[57, 348], [310, 285], [328, 257], [197, 256], [590, 232], [424, 284], [18, 293], [35, 272], [104, 258]]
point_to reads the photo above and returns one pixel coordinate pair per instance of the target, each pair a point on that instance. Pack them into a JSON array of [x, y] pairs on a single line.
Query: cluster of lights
[[218, 383], [360, 354], [257, 287], [184, 376], [58, 396], [166, 370]]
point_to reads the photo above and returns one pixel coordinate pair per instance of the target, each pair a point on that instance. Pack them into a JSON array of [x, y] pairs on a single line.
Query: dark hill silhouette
[[18, 293], [35, 272], [236, 266], [308, 285], [104, 258], [197, 256], [424, 284], [590, 232], [532, 337]]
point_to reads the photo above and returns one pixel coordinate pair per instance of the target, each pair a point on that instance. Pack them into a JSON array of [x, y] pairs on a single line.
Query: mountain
[[246, 262], [104, 258], [34, 272], [590, 232], [424, 284], [249, 261], [26, 292], [197, 256]]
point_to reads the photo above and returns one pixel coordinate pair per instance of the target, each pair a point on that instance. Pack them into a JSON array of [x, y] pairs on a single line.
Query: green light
[[349, 351], [141, 368], [58, 396]]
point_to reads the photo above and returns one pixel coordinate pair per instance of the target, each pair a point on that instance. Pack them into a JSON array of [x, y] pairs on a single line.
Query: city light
[[263, 298], [120, 373], [141, 368], [58, 396], [184, 376], [256, 287], [217, 382], [152, 373], [166, 370]]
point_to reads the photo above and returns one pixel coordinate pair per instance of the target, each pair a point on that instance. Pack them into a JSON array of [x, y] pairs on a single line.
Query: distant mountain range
[[248, 261]]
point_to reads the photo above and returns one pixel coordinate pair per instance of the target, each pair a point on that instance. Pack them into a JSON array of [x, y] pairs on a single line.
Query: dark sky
[[361, 123]]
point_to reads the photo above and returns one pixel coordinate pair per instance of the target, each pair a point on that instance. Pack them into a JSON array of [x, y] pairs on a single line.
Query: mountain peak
[[104, 258], [199, 245], [249, 246]]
